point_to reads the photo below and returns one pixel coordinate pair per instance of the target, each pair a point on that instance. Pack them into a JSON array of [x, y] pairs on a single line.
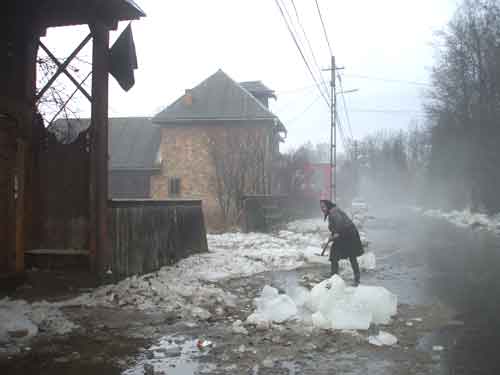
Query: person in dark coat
[[346, 243]]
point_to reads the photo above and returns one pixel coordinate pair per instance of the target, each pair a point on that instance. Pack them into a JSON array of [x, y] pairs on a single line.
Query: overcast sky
[[182, 42]]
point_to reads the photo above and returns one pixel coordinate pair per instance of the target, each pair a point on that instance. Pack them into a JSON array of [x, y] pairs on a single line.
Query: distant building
[[170, 156], [218, 108]]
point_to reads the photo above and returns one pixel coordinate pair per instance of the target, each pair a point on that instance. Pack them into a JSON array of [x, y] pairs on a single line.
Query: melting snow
[[186, 288]]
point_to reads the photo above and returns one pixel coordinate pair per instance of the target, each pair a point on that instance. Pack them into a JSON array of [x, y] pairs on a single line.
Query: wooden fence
[[148, 234], [262, 213]]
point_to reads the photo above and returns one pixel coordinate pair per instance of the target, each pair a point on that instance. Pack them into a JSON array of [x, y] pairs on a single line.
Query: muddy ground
[[435, 333], [112, 341]]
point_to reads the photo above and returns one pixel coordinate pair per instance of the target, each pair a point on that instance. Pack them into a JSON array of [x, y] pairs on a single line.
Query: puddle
[[441, 340], [172, 355]]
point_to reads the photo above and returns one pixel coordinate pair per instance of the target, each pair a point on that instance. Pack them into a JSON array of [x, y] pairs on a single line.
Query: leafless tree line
[[464, 109], [242, 166]]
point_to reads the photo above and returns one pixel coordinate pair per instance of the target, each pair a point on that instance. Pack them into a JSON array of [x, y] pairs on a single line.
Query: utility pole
[[333, 133]]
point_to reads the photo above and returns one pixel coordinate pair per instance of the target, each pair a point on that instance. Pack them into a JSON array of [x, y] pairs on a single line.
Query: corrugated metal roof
[[133, 142], [217, 98]]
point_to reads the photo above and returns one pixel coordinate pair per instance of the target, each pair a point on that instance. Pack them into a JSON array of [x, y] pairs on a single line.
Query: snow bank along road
[[188, 288], [467, 219]]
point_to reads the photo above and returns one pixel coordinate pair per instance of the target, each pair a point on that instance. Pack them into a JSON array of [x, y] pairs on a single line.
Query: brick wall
[[185, 153]]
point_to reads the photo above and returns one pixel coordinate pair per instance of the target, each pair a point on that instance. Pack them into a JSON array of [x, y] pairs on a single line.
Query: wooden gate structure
[[22, 23]]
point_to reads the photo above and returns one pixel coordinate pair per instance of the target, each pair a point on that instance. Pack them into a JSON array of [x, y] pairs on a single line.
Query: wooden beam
[[99, 158], [65, 71], [20, 197], [63, 66], [69, 98]]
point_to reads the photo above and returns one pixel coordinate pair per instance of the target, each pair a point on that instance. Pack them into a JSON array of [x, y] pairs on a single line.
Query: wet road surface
[[437, 262]]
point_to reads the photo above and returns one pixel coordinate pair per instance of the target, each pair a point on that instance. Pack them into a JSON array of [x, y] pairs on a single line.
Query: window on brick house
[[174, 186]]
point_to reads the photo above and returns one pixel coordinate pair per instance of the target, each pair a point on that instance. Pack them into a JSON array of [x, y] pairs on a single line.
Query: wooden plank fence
[[148, 234], [263, 213]]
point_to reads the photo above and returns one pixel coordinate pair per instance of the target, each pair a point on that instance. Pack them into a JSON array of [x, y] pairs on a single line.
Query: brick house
[[204, 130]]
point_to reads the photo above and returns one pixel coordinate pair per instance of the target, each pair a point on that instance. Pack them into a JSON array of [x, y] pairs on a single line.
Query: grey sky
[[180, 43]]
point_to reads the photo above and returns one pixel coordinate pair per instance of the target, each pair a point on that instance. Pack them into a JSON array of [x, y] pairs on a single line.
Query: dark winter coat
[[347, 242]]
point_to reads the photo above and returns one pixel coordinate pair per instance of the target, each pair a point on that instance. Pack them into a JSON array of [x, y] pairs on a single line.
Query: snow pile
[[383, 339], [467, 218], [187, 289], [171, 290], [331, 305], [20, 321], [273, 307]]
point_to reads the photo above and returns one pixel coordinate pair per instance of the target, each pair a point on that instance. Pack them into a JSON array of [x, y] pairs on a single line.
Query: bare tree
[[241, 164], [62, 99]]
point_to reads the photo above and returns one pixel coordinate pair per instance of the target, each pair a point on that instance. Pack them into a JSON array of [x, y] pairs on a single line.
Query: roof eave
[[66, 15], [211, 119]]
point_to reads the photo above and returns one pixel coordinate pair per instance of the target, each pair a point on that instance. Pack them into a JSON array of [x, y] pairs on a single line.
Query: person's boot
[[334, 267], [356, 280], [355, 269]]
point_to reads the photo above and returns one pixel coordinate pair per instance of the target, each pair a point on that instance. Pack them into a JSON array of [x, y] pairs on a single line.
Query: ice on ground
[[315, 225], [331, 305], [20, 321], [383, 339], [335, 303], [466, 218], [351, 307], [367, 261], [186, 288], [273, 307], [238, 328]]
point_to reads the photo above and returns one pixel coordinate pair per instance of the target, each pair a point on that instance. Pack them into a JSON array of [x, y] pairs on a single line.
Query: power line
[[395, 111], [388, 80], [309, 45], [300, 51], [305, 109], [324, 28], [345, 107], [298, 89], [343, 139]]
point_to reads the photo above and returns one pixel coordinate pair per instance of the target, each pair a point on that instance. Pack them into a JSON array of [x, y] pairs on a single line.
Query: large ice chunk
[[350, 308], [273, 307], [367, 261], [377, 300], [325, 293]]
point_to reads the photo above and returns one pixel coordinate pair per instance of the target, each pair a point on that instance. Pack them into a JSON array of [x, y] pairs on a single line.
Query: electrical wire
[[311, 50], [295, 118], [393, 111], [390, 80], [348, 120], [324, 28], [300, 51]]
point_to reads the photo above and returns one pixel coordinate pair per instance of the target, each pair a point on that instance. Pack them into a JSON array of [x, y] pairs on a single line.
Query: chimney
[[188, 98]]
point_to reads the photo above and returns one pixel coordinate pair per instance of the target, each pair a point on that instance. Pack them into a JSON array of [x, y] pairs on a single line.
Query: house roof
[[258, 88], [133, 142], [217, 98]]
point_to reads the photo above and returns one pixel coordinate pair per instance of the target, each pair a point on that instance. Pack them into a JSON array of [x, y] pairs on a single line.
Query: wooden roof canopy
[[53, 13]]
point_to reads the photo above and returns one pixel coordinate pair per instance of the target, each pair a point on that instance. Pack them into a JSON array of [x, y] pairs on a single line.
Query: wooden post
[[100, 250], [20, 197]]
